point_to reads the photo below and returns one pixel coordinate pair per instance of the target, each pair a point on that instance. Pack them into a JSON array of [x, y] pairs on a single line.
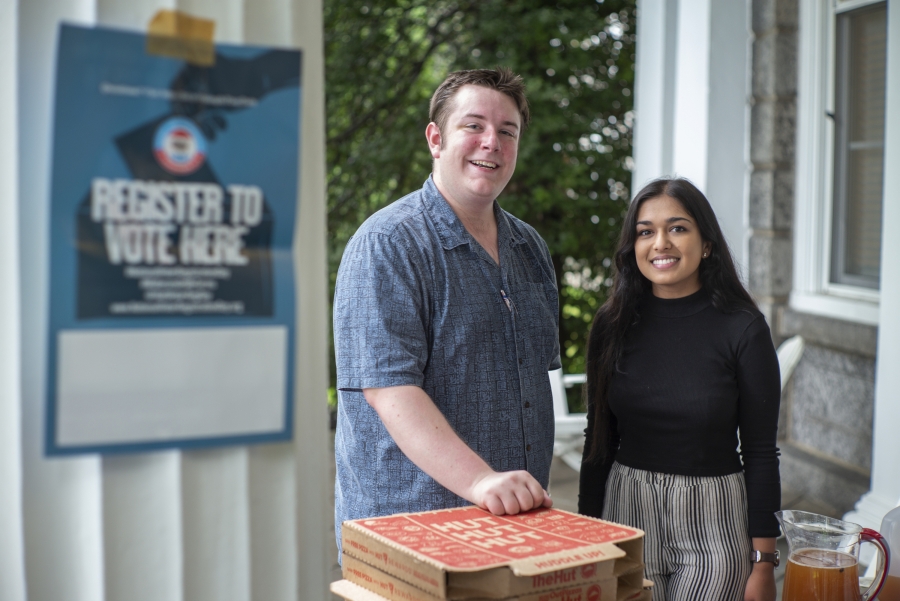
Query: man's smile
[[485, 164]]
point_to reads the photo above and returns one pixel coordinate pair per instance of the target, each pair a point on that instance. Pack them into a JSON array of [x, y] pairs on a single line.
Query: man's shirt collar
[[450, 229]]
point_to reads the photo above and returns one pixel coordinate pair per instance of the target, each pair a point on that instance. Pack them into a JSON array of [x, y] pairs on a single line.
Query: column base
[[868, 513], [870, 510]]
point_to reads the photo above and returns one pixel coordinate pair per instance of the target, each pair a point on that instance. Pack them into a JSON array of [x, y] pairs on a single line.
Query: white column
[[215, 483], [314, 524], [653, 90], [234, 523], [142, 511], [61, 497], [142, 530], [692, 85], [885, 486], [691, 90], [274, 469], [728, 128], [273, 526], [132, 15], [216, 525], [12, 559], [228, 15]]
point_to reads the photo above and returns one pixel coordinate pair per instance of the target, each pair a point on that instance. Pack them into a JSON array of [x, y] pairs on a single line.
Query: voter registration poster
[[172, 215]]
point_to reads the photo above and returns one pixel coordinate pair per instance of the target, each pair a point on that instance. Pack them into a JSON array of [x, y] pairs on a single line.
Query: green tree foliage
[[384, 60]]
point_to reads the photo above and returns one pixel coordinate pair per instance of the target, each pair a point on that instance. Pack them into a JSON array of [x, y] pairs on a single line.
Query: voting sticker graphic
[[179, 146]]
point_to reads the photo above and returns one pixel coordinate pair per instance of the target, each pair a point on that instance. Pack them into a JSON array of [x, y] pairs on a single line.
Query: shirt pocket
[[536, 321]]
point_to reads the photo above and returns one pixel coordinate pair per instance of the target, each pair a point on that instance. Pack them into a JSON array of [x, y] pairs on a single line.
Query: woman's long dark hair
[[718, 277]]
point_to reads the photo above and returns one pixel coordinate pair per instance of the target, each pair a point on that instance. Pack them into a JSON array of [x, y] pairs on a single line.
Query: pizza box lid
[[467, 552]]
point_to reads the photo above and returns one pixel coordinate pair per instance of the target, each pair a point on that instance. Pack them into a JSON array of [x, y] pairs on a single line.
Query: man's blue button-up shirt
[[419, 302]]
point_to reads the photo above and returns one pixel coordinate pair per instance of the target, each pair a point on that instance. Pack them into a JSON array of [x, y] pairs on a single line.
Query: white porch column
[[654, 90], [233, 523], [315, 527], [12, 552], [62, 500], [884, 494], [691, 90]]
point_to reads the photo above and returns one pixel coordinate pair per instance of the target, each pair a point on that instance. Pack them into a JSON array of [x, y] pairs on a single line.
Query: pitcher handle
[[872, 536]]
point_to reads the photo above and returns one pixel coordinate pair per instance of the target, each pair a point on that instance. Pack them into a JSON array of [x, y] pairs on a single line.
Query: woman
[[681, 362]]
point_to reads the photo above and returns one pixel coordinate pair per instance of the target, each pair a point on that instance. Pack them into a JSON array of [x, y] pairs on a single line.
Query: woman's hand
[[761, 585]]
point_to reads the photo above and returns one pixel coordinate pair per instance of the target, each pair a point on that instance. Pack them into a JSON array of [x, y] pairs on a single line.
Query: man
[[445, 325]]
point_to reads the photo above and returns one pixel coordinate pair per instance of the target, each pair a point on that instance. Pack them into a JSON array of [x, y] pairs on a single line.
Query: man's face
[[475, 155]]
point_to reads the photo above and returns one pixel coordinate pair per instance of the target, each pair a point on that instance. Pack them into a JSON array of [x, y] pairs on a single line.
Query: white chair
[[789, 353], [570, 426]]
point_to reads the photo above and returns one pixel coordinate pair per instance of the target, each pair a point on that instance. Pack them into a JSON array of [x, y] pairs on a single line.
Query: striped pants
[[696, 547]]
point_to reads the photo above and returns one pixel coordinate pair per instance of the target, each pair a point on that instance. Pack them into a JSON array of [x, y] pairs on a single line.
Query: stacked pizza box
[[470, 554]]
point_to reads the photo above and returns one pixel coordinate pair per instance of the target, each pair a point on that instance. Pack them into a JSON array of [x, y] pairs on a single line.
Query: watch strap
[[760, 557]]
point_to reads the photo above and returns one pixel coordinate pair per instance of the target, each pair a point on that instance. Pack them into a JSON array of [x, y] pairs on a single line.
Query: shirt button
[[527, 404], [521, 362], [528, 447]]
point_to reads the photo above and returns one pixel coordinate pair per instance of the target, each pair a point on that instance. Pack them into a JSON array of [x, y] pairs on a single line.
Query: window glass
[[861, 52]]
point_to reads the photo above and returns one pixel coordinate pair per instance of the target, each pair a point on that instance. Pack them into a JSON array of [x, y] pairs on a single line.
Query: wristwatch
[[759, 557]]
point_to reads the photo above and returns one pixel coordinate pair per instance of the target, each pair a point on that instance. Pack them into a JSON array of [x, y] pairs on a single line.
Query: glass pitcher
[[823, 560]]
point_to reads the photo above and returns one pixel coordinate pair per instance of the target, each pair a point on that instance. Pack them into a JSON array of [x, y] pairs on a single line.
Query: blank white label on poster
[[140, 386]]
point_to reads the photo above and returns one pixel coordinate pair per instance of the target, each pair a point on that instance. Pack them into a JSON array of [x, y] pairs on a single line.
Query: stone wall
[[826, 427], [772, 134], [825, 432]]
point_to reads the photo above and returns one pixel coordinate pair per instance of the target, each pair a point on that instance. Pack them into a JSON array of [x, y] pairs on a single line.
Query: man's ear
[[433, 135]]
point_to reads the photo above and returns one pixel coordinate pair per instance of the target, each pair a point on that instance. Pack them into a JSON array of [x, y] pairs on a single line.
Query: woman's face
[[668, 247]]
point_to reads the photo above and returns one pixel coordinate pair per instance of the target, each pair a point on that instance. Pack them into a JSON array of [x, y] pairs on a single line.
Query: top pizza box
[[468, 552]]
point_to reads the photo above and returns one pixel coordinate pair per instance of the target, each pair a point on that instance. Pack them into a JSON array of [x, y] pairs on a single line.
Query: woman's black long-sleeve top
[[690, 380]]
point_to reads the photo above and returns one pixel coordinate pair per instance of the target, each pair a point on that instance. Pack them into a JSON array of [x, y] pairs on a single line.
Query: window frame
[[812, 290]]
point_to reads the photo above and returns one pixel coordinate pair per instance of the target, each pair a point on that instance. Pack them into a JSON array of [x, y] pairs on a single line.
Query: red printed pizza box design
[[468, 552]]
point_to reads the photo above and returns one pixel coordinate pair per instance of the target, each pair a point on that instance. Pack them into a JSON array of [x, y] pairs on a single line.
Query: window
[[860, 53], [840, 157]]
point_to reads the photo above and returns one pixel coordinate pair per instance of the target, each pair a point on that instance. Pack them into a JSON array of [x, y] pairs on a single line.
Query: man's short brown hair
[[501, 79]]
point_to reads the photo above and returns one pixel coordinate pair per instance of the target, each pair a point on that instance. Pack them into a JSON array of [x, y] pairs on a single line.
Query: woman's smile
[[664, 262]]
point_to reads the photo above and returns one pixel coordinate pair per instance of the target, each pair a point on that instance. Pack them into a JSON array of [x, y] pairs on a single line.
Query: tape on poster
[[178, 35]]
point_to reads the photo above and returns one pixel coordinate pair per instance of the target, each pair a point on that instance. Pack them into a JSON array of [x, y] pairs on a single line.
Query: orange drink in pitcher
[[823, 563], [821, 575]]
